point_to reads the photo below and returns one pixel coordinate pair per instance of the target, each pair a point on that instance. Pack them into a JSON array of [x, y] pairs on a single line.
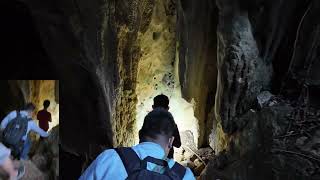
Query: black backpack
[[137, 168], [13, 133]]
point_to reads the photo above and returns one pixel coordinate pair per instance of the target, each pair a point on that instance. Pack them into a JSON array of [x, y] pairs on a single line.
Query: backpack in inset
[[137, 168], [14, 132]]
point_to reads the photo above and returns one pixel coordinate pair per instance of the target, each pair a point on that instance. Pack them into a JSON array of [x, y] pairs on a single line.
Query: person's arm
[[7, 119], [108, 165], [35, 128], [177, 140]]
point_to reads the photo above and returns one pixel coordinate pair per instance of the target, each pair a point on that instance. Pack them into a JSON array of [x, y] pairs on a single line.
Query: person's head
[[46, 104], [161, 101], [158, 127], [29, 107]]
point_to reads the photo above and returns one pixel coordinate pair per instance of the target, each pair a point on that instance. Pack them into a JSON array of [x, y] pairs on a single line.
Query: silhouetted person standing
[[44, 116], [162, 101]]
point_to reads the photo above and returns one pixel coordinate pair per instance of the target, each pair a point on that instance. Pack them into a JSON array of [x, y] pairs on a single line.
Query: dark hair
[[157, 122], [29, 107], [46, 103], [161, 101]]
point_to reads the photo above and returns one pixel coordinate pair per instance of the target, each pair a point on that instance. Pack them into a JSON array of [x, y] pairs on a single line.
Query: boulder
[[263, 98], [32, 171]]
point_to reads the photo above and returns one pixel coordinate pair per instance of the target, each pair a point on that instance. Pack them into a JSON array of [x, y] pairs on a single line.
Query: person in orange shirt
[[44, 116]]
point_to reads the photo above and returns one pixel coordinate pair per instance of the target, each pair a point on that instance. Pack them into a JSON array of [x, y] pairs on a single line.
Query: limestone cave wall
[[94, 47], [197, 59]]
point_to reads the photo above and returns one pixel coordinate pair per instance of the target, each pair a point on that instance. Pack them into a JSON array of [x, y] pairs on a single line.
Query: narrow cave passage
[[158, 74]]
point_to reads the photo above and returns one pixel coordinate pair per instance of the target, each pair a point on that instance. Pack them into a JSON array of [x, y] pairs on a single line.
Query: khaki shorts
[[4, 153]]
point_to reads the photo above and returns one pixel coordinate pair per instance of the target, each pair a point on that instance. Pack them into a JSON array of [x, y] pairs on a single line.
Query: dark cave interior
[[21, 44], [243, 78]]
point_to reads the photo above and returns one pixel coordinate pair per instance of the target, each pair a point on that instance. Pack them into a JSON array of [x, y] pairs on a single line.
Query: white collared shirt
[[109, 165]]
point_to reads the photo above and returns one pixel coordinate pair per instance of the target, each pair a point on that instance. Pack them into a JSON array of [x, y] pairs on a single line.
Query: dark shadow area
[[9, 100], [70, 160], [22, 54]]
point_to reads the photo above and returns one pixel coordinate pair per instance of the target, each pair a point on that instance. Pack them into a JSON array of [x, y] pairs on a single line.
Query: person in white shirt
[[147, 160], [32, 126]]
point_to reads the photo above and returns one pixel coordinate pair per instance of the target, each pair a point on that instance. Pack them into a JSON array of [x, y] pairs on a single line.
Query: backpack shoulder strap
[[129, 158], [179, 170]]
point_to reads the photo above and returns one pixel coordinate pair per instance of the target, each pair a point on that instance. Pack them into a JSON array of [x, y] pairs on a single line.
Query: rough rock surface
[[46, 154], [32, 172], [197, 50]]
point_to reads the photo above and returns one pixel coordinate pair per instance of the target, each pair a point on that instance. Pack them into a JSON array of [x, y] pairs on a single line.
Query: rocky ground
[[189, 156], [44, 159], [291, 147]]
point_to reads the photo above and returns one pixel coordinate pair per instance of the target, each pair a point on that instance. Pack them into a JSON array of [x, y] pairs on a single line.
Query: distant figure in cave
[[44, 116], [16, 127], [162, 101], [147, 160]]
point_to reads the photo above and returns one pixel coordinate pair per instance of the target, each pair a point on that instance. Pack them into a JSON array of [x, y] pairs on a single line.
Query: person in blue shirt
[[157, 133], [32, 126]]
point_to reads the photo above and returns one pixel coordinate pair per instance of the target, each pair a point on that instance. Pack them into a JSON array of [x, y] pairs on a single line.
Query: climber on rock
[[162, 101], [44, 116], [16, 127], [7, 165], [147, 160]]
